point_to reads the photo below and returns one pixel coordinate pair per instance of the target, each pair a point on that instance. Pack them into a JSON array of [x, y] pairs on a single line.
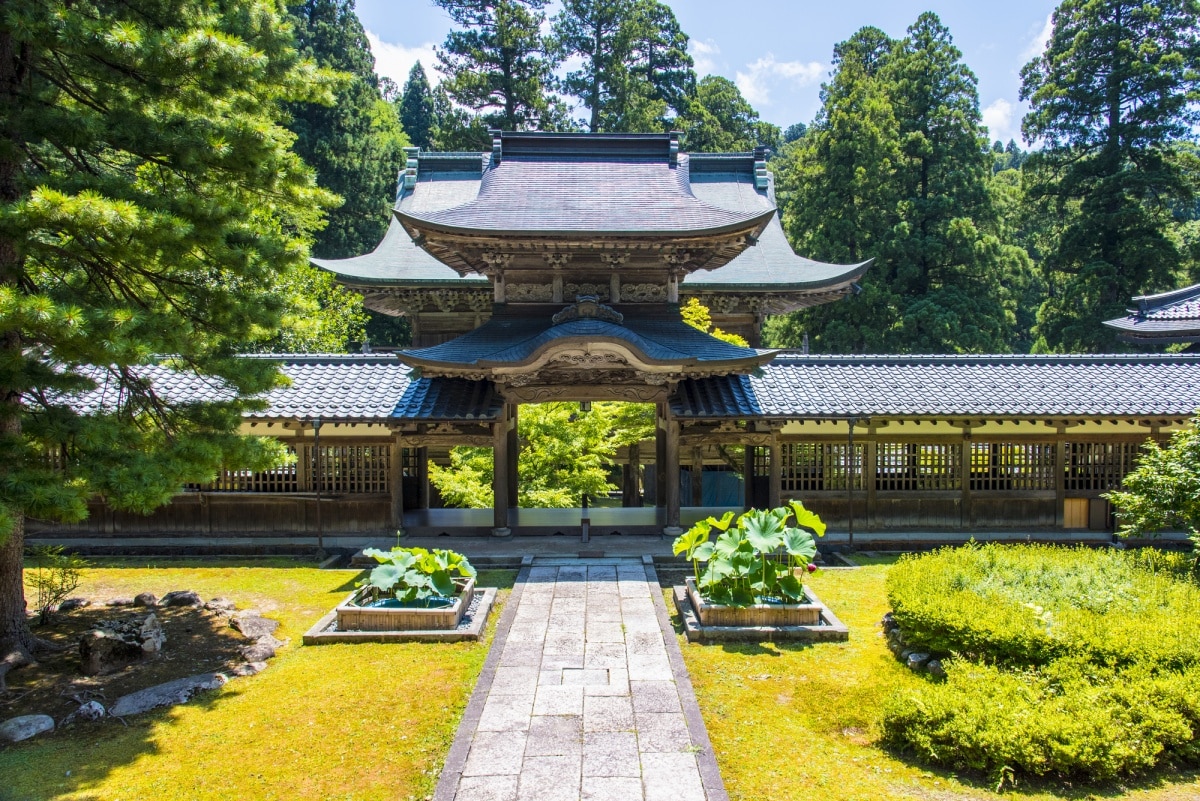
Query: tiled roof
[[515, 339], [449, 399], [345, 387], [170, 385], [1168, 317], [815, 387]]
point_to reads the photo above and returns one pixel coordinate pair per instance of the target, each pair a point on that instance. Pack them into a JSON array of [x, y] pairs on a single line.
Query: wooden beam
[[396, 484]]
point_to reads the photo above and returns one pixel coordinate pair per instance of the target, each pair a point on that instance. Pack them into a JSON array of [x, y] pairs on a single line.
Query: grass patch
[[797, 721], [360, 721]]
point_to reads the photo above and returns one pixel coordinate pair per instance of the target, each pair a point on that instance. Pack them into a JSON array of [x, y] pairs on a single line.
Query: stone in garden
[[220, 605], [14, 730], [168, 694], [92, 710], [145, 599], [917, 661], [934, 666], [889, 622], [114, 644], [905, 654], [119, 602], [252, 625], [71, 604], [151, 635], [249, 668], [261, 651], [181, 598]]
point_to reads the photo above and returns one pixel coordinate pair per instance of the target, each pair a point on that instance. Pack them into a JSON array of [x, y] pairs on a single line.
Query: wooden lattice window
[[1099, 466], [409, 463], [277, 479], [998, 466], [762, 460], [817, 466], [351, 469], [918, 466]]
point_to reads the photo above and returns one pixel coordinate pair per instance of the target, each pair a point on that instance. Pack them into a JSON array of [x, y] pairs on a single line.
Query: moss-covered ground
[[362, 721], [799, 722]]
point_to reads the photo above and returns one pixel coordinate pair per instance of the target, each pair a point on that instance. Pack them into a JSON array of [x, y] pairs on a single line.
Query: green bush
[[1067, 661], [1029, 604], [1070, 719]]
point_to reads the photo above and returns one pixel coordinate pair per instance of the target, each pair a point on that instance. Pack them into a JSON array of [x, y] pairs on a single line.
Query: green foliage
[[1164, 491], [54, 574], [1073, 662], [565, 453], [1027, 605], [415, 574], [697, 315], [498, 66], [635, 66], [754, 557], [418, 108], [1114, 91], [1070, 719], [354, 144], [719, 120], [895, 169]]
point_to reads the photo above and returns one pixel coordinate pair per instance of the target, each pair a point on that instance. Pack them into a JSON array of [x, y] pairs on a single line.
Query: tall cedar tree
[[355, 144], [499, 65], [896, 169], [1112, 94], [417, 108], [150, 203], [718, 119], [635, 73]]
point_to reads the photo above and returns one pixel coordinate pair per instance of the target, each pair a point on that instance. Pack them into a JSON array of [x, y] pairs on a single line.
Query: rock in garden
[[114, 644], [181, 598], [145, 599], [71, 604], [249, 669], [917, 661], [119, 602], [889, 622], [221, 605], [261, 651], [92, 710], [14, 730], [934, 666], [168, 694], [252, 625]]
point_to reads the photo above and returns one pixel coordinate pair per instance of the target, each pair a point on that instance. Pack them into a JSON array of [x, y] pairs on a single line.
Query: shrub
[[1027, 605], [1070, 719], [53, 574]]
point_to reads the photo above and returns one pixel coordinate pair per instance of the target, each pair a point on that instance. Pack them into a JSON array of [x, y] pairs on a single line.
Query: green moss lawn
[[800, 721], [362, 721]]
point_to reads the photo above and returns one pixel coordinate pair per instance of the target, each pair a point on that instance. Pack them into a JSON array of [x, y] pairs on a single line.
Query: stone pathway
[[583, 697]]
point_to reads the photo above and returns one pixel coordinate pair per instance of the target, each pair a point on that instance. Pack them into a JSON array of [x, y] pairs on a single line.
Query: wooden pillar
[[775, 488], [514, 452], [660, 457], [500, 477], [396, 482], [671, 473], [631, 495], [748, 474], [869, 469], [964, 471], [422, 478], [697, 475], [1060, 479]]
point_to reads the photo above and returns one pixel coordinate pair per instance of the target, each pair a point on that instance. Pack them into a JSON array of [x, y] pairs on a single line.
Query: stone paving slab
[[583, 696]]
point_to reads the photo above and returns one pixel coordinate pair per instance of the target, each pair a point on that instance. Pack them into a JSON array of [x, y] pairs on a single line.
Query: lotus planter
[[353, 617], [758, 615]]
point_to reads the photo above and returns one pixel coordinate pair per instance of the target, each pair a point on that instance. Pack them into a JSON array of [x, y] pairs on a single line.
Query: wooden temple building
[[552, 268]]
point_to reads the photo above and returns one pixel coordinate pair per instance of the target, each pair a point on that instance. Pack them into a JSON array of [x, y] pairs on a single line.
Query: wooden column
[[775, 489], [869, 469], [631, 495], [748, 477], [671, 474], [1060, 478], [423, 478], [964, 470], [500, 477], [660, 457], [396, 480], [514, 452], [697, 476]]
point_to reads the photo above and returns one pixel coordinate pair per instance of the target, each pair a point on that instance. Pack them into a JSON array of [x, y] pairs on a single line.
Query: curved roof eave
[[851, 274]]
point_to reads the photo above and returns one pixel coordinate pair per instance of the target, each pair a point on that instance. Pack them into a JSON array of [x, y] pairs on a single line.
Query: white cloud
[[704, 55], [755, 83], [396, 60], [998, 117], [1037, 45]]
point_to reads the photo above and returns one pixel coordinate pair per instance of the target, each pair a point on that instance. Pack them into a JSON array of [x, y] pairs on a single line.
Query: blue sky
[[778, 51]]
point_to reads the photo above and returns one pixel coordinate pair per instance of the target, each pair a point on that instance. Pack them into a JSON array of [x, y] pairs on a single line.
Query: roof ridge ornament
[[408, 176], [673, 148], [497, 145], [588, 307], [761, 179]]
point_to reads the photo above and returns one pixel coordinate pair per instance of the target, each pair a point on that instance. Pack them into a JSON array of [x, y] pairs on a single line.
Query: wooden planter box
[[752, 616], [351, 617]]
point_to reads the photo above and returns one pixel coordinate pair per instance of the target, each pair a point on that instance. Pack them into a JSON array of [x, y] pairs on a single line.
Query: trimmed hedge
[[1066, 661], [1030, 604]]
